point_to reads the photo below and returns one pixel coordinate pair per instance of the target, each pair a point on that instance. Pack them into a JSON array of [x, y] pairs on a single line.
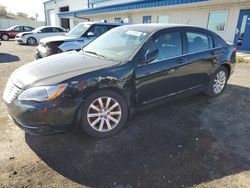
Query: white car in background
[[33, 37]]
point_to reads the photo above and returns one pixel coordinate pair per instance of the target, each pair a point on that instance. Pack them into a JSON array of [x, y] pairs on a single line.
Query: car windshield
[[78, 30], [119, 44]]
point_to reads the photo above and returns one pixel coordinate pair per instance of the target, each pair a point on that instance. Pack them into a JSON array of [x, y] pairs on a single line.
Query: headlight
[[43, 93]]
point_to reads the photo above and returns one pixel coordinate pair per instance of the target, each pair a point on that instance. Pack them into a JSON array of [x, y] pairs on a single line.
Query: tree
[[3, 11]]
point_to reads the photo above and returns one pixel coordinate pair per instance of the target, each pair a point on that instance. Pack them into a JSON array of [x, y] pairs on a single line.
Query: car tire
[[104, 114], [5, 37], [218, 82], [31, 41]]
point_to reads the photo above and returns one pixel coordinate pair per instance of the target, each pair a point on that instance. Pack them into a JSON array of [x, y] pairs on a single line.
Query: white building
[[229, 18]]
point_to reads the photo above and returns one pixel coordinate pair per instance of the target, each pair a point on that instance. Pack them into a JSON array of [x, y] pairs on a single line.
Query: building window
[[217, 20], [64, 9], [163, 19], [118, 19], [146, 19]]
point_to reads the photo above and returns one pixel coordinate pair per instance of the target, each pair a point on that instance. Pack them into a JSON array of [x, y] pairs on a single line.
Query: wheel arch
[[228, 67], [126, 94], [4, 34], [28, 37]]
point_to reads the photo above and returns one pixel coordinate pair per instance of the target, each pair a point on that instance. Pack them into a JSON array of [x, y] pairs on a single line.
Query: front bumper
[[43, 118], [39, 129], [19, 40]]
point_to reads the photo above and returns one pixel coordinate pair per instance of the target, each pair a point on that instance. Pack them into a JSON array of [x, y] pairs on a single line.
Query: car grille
[[11, 92]]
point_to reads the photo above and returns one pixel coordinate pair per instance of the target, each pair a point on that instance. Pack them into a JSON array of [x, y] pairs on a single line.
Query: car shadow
[[179, 144], [8, 58]]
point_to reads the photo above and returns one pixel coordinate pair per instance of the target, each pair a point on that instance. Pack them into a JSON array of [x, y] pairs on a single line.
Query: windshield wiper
[[96, 54]]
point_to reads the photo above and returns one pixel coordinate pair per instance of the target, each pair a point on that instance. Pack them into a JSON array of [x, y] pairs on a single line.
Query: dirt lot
[[193, 142]]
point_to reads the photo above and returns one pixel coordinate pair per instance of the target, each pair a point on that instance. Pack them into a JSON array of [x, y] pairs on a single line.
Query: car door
[[45, 32], [165, 76], [201, 57], [15, 31], [57, 31]]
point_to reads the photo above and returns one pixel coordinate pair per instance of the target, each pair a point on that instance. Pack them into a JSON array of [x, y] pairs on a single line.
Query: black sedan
[[125, 70]]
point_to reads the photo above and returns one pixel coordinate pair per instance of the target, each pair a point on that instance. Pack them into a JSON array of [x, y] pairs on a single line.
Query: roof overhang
[[135, 5]]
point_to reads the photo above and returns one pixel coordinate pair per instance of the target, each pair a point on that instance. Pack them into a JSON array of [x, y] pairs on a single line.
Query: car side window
[[219, 41], [55, 30], [197, 42], [168, 44], [27, 28], [98, 30], [18, 29], [47, 30]]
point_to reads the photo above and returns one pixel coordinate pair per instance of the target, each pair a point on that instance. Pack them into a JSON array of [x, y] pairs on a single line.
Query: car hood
[[3, 30], [57, 39], [57, 68], [26, 33]]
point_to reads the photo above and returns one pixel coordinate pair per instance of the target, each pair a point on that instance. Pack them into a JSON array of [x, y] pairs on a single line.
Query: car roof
[[153, 27], [103, 23], [22, 26], [42, 27]]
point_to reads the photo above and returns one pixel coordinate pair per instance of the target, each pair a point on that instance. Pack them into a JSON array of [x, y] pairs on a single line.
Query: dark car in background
[[126, 69], [76, 39], [10, 33]]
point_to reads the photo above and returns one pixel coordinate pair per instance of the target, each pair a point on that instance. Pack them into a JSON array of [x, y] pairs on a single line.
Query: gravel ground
[[193, 142]]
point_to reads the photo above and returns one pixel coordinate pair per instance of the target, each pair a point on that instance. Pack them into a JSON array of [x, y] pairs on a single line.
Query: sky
[[30, 7]]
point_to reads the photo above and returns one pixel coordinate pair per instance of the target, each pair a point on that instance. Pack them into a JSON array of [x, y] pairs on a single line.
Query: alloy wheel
[[219, 82], [31, 41], [104, 114], [5, 37]]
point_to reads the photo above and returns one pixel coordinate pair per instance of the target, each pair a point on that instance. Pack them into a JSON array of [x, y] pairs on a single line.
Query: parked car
[[76, 39], [6, 34], [126, 69], [33, 37]]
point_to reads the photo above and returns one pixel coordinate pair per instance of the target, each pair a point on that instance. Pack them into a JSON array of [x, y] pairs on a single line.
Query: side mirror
[[151, 56], [90, 34]]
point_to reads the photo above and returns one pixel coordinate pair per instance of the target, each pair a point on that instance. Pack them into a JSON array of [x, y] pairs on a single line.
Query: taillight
[[234, 50]]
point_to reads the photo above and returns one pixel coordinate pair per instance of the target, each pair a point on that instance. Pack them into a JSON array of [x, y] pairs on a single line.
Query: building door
[[65, 22], [51, 18], [242, 36]]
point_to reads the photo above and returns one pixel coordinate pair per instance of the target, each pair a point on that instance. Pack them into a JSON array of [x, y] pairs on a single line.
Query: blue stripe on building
[[139, 4]]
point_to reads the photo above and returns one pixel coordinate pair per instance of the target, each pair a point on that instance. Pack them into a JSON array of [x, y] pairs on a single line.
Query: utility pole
[[37, 15]]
